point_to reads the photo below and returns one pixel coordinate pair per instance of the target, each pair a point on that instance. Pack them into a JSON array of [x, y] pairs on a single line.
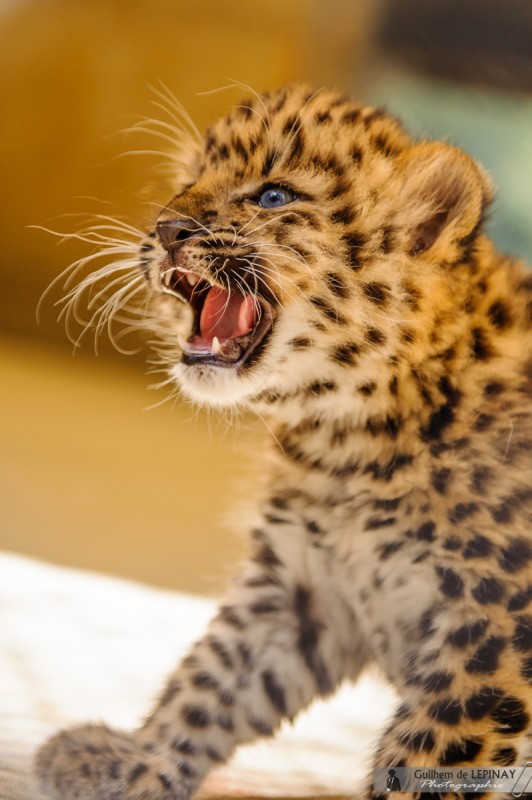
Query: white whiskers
[[114, 295]]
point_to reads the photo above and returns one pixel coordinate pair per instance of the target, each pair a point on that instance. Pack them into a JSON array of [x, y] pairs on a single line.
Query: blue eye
[[275, 197]]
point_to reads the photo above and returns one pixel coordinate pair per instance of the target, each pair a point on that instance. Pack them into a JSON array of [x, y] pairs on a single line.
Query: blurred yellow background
[[90, 477]]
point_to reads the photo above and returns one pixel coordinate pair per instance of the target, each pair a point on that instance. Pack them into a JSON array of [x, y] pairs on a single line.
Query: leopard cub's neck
[[375, 413]]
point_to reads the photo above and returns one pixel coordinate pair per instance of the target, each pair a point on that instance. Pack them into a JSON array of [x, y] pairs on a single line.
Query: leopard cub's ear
[[443, 196]]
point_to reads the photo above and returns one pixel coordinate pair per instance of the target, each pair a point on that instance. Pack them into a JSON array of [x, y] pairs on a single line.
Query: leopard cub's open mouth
[[230, 327]]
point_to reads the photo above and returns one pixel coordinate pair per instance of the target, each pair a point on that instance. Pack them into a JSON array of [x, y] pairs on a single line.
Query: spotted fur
[[394, 524]]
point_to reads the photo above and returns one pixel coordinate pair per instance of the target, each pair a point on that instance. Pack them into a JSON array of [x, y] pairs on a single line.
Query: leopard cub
[[321, 267]]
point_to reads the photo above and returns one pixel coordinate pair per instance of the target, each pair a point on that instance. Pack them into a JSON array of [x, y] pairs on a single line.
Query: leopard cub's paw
[[93, 762]]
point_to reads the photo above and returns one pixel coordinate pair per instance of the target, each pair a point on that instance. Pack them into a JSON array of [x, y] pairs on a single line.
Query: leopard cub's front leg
[[462, 705], [266, 654]]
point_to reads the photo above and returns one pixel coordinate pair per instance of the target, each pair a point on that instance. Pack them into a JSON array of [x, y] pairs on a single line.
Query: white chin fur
[[214, 386]]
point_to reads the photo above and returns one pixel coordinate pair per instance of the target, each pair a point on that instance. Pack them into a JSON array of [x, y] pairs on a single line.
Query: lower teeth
[[229, 349]]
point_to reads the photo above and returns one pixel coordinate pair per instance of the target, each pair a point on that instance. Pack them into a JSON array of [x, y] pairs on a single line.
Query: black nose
[[172, 232]]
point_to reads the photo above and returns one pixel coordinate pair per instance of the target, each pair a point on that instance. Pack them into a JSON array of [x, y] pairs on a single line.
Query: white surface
[[76, 646]]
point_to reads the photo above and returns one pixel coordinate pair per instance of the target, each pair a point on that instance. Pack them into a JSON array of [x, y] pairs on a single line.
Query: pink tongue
[[227, 315]]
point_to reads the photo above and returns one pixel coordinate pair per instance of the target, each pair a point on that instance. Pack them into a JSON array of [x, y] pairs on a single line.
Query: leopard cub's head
[[308, 235]]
